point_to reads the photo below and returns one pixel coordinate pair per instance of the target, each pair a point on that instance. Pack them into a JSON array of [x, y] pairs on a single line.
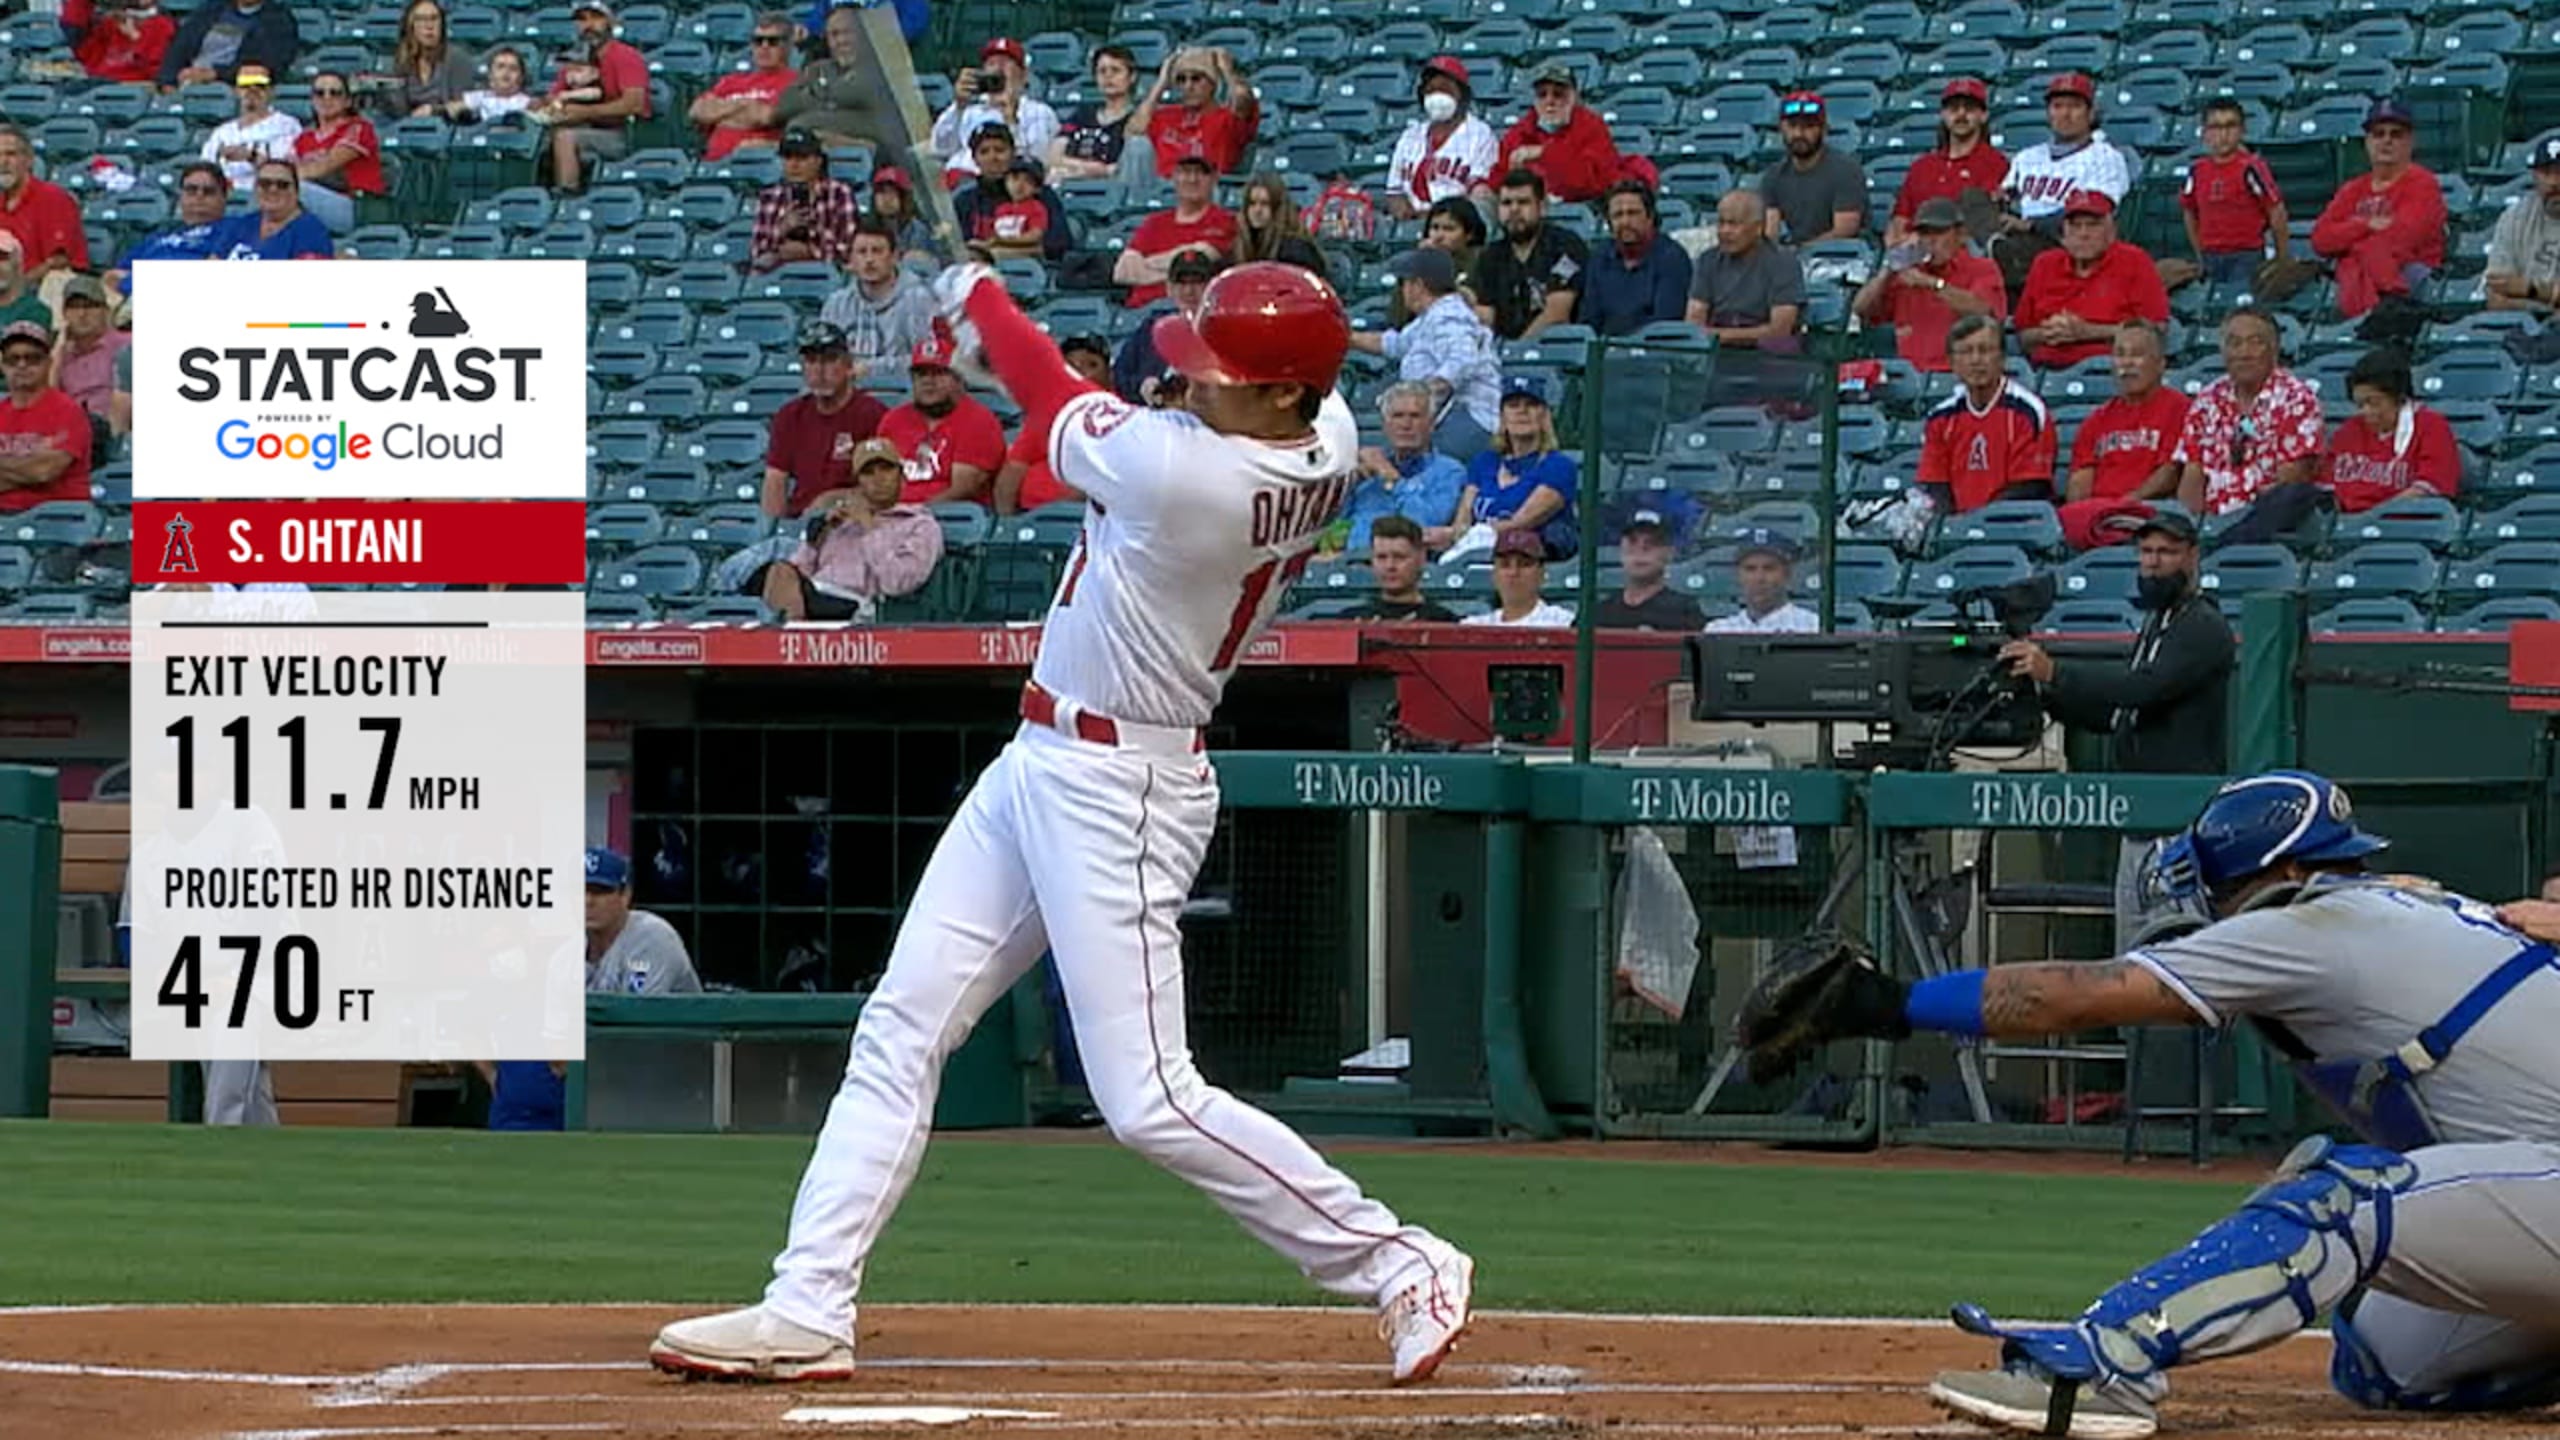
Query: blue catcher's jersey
[[2356, 966]]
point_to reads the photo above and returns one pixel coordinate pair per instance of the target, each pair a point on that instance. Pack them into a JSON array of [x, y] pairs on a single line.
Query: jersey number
[[1257, 587]]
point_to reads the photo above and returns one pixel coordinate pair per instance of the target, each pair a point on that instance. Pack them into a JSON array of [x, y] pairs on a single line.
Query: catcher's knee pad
[[2358, 1371], [2258, 1275]]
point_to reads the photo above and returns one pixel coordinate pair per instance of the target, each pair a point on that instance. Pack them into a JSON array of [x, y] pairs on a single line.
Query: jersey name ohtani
[[1280, 516]]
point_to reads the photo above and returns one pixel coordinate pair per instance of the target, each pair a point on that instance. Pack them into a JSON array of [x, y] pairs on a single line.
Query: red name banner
[[359, 542]]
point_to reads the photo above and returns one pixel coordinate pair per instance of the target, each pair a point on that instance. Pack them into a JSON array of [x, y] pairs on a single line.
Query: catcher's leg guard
[[2251, 1279], [2520, 1372]]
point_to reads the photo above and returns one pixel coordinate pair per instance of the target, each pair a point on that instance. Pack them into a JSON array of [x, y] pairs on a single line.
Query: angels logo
[[1978, 457], [177, 552]]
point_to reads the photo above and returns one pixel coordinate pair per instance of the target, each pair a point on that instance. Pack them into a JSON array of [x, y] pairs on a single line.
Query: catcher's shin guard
[[2251, 1279]]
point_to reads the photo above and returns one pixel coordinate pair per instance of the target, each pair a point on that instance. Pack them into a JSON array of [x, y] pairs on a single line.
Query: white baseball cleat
[[1424, 1320], [750, 1344], [2020, 1397]]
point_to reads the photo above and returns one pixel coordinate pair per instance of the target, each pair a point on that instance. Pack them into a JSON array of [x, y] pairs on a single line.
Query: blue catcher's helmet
[[2250, 826]]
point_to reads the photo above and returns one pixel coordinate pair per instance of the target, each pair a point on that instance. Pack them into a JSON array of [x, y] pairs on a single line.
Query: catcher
[[2428, 1020]]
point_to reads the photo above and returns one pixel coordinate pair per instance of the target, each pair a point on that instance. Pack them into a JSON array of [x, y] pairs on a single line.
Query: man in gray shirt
[[885, 310], [2524, 251], [1749, 289], [2418, 1014], [1816, 192], [630, 952]]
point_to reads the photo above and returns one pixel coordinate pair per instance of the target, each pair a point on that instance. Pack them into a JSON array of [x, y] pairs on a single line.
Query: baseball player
[[1084, 836], [2421, 1016]]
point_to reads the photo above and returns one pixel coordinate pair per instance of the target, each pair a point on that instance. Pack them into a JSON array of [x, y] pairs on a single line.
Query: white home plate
[[905, 1414]]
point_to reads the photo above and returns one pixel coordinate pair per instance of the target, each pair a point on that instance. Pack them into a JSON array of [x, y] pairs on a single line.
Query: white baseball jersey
[[1788, 619], [1424, 174], [1191, 539], [2043, 176]]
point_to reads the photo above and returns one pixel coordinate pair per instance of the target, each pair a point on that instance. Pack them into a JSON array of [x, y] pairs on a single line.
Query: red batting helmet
[[1260, 324]]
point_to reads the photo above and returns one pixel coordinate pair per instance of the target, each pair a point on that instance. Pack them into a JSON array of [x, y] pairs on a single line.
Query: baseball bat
[[891, 70]]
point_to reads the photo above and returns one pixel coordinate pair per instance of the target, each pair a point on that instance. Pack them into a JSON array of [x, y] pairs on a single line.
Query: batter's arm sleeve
[[1026, 360]]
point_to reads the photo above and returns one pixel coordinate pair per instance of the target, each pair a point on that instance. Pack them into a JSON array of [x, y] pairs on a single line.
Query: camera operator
[[2162, 709]]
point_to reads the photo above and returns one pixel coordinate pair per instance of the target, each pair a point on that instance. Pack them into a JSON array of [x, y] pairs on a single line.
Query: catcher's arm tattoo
[[2053, 999]]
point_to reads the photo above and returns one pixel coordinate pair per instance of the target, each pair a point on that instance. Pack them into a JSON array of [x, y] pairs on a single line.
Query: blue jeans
[[2231, 269], [1459, 436], [335, 208]]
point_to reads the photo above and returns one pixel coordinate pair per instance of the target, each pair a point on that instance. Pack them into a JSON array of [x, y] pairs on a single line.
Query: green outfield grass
[[150, 1213]]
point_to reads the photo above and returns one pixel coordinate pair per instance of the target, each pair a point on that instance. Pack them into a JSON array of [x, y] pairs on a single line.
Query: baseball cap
[[1648, 521], [1800, 105], [1006, 46], [1760, 540], [84, 287], [2388, 111], [1528, 386], [931, 353], [248, 75], [822, 337], [1435, 268], [991, 130], [32, 330], [607, 869], [1965, 87], [893, 177], [1554, 72], [2072, 82], [2546, 154], [799, 141], [2176, 524], [1196, 161], [1937, 213], [1451, 66], [1026, 165], [878, 447], [1521, 542], [2088, 202], [1192, 265], [600, 7]]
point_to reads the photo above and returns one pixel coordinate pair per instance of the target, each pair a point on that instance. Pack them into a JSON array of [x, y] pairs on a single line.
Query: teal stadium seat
[[2388, 568]]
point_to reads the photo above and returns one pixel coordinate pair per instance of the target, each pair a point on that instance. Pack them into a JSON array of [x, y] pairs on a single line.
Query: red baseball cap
[[2088, 202], [1965, 87], [2072, 82], [1451, 66], [892, 175], [1005, 46], [931, 353]]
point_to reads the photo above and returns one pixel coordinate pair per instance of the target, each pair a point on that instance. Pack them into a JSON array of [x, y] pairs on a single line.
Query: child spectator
[[1022, 221], [2232, 206]]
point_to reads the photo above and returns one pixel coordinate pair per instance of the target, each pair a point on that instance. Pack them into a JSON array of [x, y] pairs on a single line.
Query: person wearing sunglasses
[[338, 154], [44, 434], [2252, 438], [2384, 229], [1816, 192], [739, 110], [1214, 113], [203, 193], [279, 228]]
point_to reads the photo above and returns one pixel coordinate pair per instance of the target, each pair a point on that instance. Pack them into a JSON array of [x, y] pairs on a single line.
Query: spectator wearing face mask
[[1449, 151]]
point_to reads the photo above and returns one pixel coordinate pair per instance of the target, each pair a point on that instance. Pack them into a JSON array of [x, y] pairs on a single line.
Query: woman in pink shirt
[[862, 546], [338, 154]]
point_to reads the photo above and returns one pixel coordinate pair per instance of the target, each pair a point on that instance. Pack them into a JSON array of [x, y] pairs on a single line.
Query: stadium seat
[[2100, 617], [2105, 575], [700, 285], [673, 400], [2534, 517], [2370, 615], [2029, 525], [17, 569], [727, 527], [2477, 373], [2428, 520], [772, 324], [2494, 616], [2389, 567], [802, 282], [1860, 571], [626, 526], [1969, 568], [2250, 569], [722, 444], [664, 323], [620, 366], [606, 607], [2518, 567], [658, 572]]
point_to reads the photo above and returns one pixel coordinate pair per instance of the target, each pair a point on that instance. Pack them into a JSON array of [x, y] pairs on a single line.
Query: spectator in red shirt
[[2392, 445], [2231, 202], [1196, 222], [595, 127], [2126, 451], [44, 434], [1991, 439], [2077, 294], [41, 214], [981, 201], [739, 110], [813, 436], [806, 215], [1214, 119], [126, 45], [1964, 161], [1024, 221], [2384, 228], [954, 445], [338, 154], [1025, 482], [1928, 283], [1565, 142]]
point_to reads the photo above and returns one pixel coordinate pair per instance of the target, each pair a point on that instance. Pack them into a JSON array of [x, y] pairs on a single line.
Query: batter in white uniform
[[1084, 836]]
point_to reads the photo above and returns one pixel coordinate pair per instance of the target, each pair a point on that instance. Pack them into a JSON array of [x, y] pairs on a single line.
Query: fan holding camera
[[998, 91]]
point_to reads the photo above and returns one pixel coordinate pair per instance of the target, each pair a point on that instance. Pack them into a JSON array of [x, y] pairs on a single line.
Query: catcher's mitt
[[1823, 986]]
